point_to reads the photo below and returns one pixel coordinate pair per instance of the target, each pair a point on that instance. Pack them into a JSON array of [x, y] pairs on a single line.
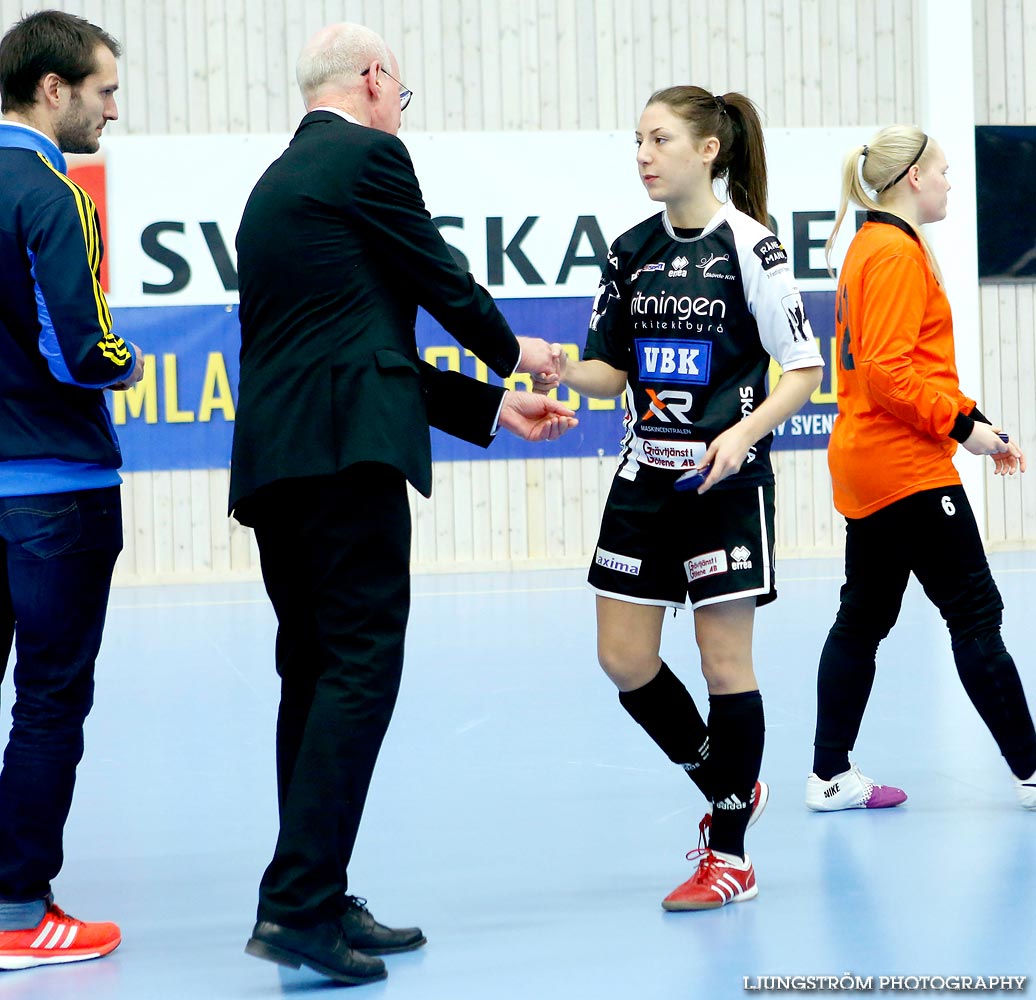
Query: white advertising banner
[[531, 212]]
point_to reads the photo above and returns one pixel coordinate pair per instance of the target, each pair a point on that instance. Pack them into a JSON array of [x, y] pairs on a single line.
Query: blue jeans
[[57, 554]]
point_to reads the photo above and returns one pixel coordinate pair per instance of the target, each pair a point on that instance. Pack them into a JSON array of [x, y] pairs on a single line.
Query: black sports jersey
[[693, 321]]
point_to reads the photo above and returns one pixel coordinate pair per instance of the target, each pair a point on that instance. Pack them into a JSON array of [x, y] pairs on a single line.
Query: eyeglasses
[[404, 93]]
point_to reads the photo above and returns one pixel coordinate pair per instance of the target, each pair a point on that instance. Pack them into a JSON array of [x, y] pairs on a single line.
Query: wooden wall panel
[[228, 65], [1005, 94], [1009, 399], [213, 66]]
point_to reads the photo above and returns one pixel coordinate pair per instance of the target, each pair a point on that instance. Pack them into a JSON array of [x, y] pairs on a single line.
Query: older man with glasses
[[335, 252]]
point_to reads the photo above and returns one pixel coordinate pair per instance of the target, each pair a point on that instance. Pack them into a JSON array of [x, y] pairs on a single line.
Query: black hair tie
[[903, 172], [721, 105]]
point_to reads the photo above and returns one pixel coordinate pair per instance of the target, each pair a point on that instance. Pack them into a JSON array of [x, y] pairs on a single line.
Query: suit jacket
[[336, 250]]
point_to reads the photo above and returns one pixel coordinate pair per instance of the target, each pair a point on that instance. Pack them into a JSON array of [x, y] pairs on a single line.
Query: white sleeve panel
[[772, 295]]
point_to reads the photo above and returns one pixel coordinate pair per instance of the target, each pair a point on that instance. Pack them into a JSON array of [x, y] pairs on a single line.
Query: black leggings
[[933, 535]]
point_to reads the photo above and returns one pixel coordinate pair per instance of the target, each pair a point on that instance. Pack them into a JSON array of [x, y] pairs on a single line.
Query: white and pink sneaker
[[850, 790]]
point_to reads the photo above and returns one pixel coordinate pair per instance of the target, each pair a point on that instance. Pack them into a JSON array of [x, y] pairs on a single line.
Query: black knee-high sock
[[736, 734], [844, 683], [991, 680], [667, 713]]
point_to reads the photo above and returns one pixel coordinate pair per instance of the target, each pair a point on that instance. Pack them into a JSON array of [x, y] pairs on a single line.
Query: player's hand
[[725, 456], [1007, 456], [543, 382], [535, 417], [541, 360], [134, 376]]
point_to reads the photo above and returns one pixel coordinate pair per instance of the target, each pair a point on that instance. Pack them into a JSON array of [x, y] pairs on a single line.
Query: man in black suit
[[335, 252]]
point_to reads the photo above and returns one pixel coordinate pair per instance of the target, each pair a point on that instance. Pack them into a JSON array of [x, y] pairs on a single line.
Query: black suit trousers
[[335, 554]]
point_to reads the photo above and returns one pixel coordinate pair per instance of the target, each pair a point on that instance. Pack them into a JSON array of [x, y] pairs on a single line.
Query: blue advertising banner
[[181, 415], [811, 426]]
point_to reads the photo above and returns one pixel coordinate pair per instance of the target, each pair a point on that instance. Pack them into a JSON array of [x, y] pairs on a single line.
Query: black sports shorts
[[708, 549]]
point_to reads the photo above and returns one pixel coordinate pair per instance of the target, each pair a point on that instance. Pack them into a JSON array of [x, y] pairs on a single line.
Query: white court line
[[612, 767], [477, 592], [186, 604], [676, 812], [474, 724], [264, 600], [473, 592]]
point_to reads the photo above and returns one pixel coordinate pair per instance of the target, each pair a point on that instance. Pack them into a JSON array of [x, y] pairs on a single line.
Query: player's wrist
[[962, 428]]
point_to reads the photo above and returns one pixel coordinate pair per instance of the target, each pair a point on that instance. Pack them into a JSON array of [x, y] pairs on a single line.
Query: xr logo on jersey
[[669, 406]]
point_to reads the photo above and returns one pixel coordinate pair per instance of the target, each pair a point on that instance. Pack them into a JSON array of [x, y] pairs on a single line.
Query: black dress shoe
[[365, 934], [322, 948]]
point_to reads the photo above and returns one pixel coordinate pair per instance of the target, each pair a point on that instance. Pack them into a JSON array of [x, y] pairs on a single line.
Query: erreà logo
[[771, 252], [87, 170], [741, 557], [679, 268]]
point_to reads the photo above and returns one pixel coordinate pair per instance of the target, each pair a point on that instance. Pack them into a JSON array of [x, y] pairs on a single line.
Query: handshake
[[533, 415], [547, 375]]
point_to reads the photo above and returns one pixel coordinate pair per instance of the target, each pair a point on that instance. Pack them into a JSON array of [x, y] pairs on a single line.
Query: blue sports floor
[[525, 822]]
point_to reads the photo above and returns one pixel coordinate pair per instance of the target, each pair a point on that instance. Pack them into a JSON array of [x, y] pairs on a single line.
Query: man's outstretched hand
[[535, 417]]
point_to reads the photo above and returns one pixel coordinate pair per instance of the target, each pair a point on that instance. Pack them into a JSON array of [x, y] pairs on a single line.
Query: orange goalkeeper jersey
[[898, 393]]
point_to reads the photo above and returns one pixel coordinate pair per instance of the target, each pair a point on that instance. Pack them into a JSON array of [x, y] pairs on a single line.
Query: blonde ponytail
[[879, 165]]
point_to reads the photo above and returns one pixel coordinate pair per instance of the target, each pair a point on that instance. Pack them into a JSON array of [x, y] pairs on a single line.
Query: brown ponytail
[[734, 120]]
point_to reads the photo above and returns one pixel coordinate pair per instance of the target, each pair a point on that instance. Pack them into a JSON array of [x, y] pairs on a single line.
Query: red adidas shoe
[[715, 883], [57, 938]]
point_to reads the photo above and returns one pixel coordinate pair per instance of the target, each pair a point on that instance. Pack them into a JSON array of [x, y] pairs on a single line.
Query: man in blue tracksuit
[[60, 512]]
